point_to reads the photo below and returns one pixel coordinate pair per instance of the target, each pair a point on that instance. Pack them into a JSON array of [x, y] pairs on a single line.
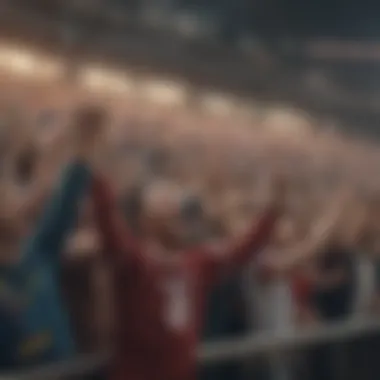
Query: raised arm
[[61, 210], [218, 262], [118, 243], [321, 235]]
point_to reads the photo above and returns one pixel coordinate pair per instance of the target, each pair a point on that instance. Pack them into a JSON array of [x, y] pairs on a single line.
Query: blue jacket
[[34, 326]]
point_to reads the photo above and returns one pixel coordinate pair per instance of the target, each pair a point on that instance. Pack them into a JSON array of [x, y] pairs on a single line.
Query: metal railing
[[221, 351]]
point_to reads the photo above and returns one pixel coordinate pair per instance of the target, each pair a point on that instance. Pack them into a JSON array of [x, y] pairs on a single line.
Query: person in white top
[[270, 297], [270, 302]]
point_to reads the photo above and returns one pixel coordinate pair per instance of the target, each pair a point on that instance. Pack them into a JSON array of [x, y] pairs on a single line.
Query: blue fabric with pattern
[[34, 326]]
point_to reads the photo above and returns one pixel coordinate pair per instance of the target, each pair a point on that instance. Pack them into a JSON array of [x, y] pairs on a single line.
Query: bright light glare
[[22, 62], [287, 122], [99, 79], [219, 104], [164, 92]]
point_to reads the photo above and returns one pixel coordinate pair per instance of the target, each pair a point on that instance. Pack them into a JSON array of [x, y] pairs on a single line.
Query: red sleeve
[[218, 263], [302, 290], [117, 241]]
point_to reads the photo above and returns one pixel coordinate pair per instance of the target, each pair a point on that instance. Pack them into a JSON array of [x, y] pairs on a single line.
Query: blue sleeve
[[61, 211]]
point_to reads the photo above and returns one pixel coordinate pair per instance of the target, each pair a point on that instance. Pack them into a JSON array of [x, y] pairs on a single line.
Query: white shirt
[[365, 284], [270, 304]]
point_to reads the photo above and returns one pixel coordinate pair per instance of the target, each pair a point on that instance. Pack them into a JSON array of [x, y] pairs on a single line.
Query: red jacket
[[160, 303]]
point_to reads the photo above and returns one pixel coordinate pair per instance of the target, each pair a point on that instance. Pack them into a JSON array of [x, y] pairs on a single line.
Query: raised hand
[[87, 131]]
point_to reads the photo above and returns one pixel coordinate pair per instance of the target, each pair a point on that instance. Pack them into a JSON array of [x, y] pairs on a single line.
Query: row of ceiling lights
[[25, 63]]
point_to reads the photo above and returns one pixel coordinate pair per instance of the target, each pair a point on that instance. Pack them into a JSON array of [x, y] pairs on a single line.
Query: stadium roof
[[98, 31]]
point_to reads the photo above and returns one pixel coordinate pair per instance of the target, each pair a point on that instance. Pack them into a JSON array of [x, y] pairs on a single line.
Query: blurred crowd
[[222, 165]]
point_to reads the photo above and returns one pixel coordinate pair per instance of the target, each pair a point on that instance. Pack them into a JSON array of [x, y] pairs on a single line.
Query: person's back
[[30, 302], [157, 318], [38, 336], [161, 290], [334, 290]]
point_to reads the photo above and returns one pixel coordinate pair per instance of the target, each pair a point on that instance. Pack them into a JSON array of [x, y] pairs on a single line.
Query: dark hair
[[192, 208]]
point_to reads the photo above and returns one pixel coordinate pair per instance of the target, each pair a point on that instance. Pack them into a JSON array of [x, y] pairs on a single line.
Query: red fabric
[[302, 288], [150, 344]]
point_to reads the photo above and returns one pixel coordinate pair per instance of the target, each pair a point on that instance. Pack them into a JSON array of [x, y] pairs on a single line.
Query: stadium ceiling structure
[[101, 31]]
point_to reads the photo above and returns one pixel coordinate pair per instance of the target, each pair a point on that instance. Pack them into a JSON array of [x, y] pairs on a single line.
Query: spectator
[[29, 293], [333, 300], [270, 299], [223, 168]]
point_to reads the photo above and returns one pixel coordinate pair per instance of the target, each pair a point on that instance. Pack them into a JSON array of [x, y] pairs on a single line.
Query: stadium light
[[25, 63], [163, 92], [287, 122], [218, 103], [97, 78]]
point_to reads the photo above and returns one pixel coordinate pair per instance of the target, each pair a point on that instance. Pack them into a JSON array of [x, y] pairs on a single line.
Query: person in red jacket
[[159, 296]]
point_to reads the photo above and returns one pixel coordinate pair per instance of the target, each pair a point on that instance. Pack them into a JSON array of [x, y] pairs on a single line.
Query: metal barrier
[[218, 351]]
